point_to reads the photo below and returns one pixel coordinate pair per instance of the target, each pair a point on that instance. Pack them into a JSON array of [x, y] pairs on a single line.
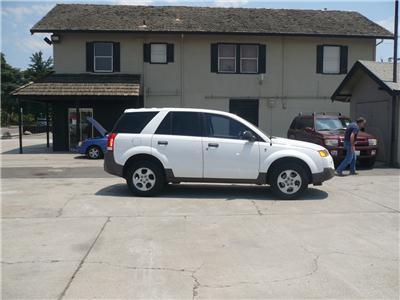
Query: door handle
[[162, 143], [214, 145]]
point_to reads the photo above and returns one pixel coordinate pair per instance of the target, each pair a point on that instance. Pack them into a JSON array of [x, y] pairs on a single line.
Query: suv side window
[[180, 123], [133, 122], [294, 123], [304, 122], [219, 126]]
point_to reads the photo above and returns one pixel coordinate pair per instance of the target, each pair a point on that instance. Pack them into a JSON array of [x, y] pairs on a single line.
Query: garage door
[[378, 115]]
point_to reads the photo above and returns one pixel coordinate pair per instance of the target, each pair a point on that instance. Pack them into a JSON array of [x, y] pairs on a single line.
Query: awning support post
[[78, 123], [47, 126], [20, 125]]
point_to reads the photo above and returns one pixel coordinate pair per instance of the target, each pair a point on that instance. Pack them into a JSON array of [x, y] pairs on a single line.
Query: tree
[[39, 67], [11, 78]]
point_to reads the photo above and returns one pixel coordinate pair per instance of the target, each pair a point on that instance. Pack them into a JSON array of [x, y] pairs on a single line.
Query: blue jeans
[[350, 159]]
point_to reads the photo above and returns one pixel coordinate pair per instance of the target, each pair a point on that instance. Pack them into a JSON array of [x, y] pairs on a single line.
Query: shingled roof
[[82, 85], [380, 72], [185, 19]]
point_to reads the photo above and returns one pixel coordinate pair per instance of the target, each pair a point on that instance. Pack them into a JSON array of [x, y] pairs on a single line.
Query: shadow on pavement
[[203, 191]]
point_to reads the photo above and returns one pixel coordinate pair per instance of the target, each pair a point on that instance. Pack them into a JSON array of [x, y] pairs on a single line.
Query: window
[[226, 58], [331, 63], [103, 57], [249, 58], [332, 59], [158, 53], [238, 58], [133, 122], [180, 123], [302, 123], [224, 127], [328, 124]]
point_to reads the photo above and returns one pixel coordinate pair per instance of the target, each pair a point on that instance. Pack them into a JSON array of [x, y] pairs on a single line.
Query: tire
[[289, 180], [368, 164], [94, 152], [145, 178]]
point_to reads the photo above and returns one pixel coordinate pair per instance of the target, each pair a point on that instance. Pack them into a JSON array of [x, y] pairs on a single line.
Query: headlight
[[372, 142], [323, 153], [331, 142]]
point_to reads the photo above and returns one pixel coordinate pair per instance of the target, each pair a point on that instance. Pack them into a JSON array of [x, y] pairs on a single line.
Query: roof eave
[[49, 30], [358, 65]]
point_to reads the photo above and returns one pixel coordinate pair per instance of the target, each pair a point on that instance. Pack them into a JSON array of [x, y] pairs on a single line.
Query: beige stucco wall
[[290, 85]]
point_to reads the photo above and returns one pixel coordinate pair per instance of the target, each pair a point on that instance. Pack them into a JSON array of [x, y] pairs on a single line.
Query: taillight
[[110, 142]]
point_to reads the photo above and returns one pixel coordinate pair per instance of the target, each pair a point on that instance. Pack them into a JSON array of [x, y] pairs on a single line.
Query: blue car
[[94, 148]]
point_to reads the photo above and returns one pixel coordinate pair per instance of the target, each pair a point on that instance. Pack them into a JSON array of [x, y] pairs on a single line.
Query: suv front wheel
[[145, 178], [289, 180]]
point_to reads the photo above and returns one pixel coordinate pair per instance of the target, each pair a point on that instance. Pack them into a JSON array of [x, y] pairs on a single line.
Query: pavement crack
[[46, 261], [196, 282], [61, 210], [83, 259], [139, 268], [259, 212]]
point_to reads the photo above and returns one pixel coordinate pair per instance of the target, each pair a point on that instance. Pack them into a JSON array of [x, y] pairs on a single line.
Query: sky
[[17, 17]]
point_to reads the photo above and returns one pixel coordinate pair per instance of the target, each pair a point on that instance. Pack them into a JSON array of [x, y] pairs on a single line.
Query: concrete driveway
[[69, 230]]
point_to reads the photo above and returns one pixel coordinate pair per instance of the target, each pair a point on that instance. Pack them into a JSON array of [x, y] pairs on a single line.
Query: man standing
[[350, 137]]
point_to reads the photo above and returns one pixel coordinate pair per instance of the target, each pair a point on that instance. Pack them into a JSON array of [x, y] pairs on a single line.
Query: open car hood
[[97, 125]]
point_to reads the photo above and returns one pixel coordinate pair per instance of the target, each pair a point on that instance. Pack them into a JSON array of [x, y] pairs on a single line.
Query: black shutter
[[320, 58], [116, 57], [214, 58], [170, 53], [89, 57], [343, 59], [262, 59], [146, 52]]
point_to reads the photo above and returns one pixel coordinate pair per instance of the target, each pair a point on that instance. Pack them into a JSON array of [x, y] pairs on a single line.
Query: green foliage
[[12, 78], [39, 67]]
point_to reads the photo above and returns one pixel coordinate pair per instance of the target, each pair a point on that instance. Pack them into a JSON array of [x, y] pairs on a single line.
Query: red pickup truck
[[328, 130]]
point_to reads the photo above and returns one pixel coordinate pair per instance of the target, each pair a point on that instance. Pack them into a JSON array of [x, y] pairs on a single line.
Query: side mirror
[[309, 129], [247, 135]]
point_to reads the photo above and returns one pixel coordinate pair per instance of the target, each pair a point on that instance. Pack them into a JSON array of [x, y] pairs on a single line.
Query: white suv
[[153, 147]]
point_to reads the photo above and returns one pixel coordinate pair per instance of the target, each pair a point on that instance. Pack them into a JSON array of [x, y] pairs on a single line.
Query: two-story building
[[266, 65]]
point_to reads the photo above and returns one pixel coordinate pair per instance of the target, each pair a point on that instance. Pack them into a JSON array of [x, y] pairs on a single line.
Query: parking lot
[[69, 230]]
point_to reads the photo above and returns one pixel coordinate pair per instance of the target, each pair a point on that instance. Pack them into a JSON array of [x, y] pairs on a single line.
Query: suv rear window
[[133, 122]]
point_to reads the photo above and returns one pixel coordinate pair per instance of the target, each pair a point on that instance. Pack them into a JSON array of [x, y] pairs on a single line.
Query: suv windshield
[[328, 124]]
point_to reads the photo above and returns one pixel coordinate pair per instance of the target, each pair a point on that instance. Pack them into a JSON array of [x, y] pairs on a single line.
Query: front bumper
[[110, 166], [326, 174]]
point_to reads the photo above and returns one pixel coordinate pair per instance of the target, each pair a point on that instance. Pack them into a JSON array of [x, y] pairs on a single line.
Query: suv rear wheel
[[145, 178], [288, 180]]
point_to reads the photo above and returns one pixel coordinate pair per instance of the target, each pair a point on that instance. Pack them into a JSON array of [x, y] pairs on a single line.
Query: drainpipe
[[182, 69], [20, 125], [394, 141]]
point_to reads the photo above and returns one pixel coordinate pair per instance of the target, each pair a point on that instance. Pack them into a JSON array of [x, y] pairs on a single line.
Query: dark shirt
[[352, 127]]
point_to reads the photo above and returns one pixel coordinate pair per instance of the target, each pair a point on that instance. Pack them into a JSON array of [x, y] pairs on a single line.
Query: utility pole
[[396, 21]]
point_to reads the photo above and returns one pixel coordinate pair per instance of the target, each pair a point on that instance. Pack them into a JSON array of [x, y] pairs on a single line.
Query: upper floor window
[[227, 58], [238, 58], [332, 59], [103, 57], [249, 58], [158, 53]]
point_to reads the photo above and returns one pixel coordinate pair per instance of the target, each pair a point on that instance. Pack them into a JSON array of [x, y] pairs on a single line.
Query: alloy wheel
[[289, 181]]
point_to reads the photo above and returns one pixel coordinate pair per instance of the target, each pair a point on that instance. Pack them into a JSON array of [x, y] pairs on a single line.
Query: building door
[[378, 118], [245, 108], [86, 128]]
